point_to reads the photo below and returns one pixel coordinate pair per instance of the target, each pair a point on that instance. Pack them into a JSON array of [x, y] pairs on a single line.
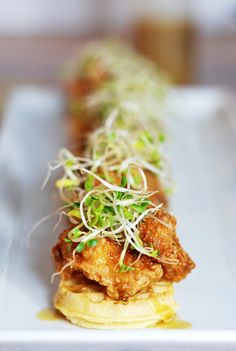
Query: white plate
[[204, 163]]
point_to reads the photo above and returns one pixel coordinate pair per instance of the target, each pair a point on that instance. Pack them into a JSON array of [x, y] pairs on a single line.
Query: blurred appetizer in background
[[110, 79], [108, 75], [120, 253]]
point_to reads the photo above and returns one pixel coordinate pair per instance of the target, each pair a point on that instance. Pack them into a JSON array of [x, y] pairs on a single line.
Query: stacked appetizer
[[107, 75], [120, 253]]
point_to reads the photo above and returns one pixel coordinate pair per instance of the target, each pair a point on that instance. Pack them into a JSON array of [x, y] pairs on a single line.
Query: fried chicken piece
[[159, 232], [100, 263]]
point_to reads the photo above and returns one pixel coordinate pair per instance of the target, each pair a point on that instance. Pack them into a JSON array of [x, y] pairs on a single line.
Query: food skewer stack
[[120, 252]]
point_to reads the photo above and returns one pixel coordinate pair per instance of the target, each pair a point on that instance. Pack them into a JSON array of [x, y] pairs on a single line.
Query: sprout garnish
[[132, 83], [114, 212], [107, 189]]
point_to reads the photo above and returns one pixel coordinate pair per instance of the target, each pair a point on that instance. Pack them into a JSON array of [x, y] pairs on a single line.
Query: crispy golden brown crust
[[160, 232], [100, 263]]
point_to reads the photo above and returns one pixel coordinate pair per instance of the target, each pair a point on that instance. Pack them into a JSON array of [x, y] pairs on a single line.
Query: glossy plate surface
[[203, 149]]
